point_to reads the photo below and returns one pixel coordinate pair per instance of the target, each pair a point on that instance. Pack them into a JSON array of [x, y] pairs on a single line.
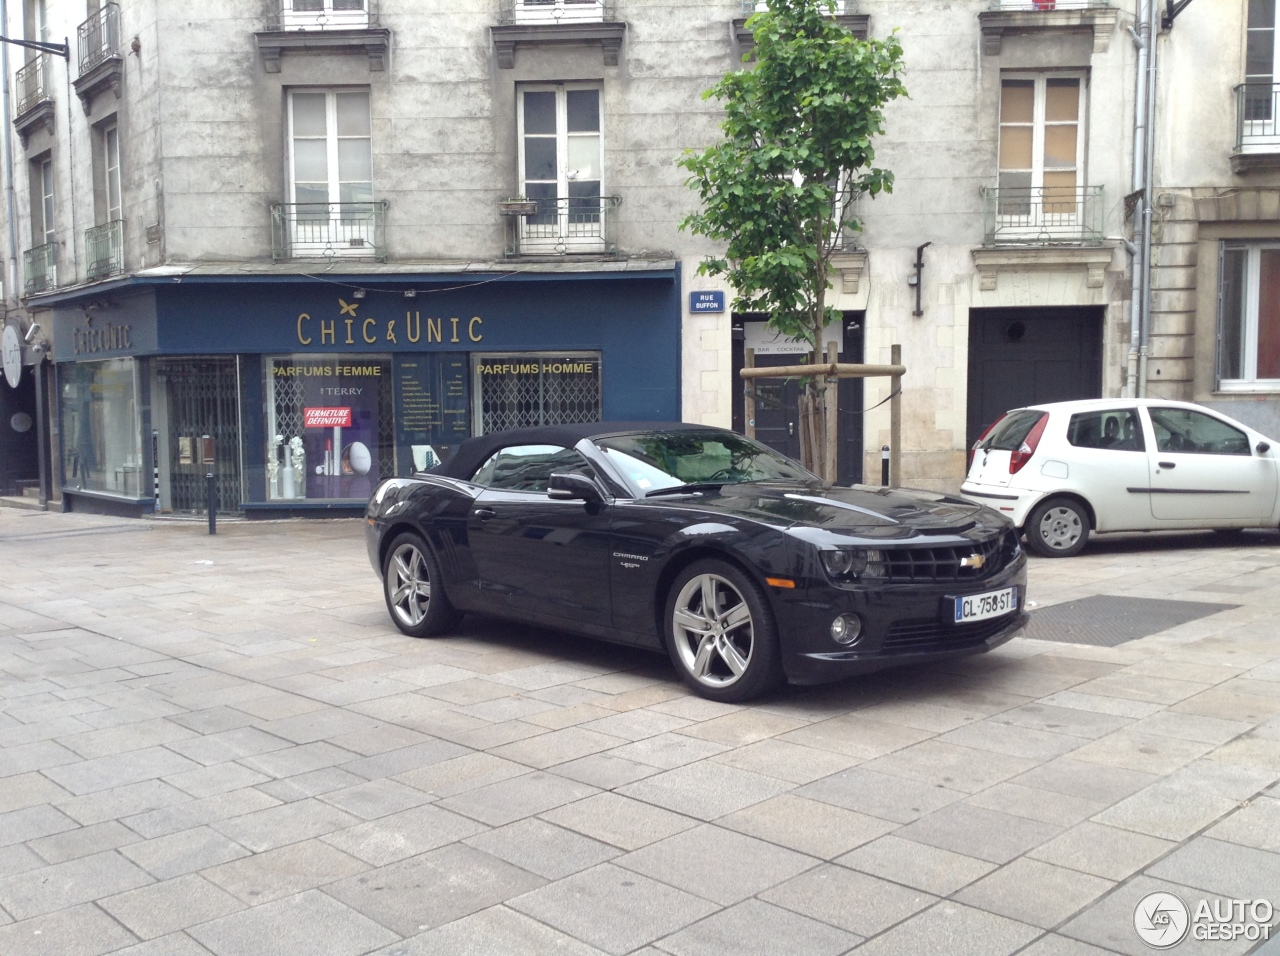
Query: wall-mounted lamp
[[916, 277], [410, 293], [32, 331], [358, 294]]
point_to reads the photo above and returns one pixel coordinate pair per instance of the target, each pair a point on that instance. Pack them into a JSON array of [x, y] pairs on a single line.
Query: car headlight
[[849, 564]]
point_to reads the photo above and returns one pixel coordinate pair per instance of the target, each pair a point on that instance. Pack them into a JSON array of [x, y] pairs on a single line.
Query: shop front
[[298, 395]]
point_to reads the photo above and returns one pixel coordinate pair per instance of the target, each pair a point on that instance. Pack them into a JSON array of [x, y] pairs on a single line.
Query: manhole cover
[[1108, 620]]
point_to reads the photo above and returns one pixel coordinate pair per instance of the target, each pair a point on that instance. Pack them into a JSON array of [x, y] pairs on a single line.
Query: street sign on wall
[[707, 301]]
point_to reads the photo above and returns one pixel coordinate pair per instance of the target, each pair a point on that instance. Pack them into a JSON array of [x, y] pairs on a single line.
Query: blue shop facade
[[298, 393]]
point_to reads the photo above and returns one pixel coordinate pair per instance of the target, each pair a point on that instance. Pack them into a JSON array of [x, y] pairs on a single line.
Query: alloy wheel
[[713, 630], [408, 585]]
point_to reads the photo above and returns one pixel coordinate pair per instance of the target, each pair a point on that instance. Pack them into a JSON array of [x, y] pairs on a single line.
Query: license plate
[[979, 607]]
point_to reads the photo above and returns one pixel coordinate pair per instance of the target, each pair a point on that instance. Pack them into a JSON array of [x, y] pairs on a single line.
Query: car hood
[[861, 510]]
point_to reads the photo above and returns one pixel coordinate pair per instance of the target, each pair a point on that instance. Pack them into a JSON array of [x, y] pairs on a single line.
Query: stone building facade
[[239, 224]]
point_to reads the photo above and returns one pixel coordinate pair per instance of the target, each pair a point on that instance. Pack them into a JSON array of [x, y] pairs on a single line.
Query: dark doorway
[[1027, 356], [19, 463], [777, 398], [201, 398]]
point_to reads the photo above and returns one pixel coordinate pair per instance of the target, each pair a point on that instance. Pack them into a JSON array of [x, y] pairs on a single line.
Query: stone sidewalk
[[220, 745]]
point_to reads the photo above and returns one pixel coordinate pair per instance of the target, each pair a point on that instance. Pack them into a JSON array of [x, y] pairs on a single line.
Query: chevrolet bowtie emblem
[[973, 561]]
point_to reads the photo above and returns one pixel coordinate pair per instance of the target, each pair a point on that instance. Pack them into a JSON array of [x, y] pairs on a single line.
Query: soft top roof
[[474, 452]]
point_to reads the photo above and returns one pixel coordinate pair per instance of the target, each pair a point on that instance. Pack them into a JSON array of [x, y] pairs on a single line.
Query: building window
[[1257, 101], [324, 14], [109, 145], [535, 388], [331, 173], [1041, 144], [329, 425], [101, 434], [558, 11], [1249, 324], [561, 161], [43, 224]]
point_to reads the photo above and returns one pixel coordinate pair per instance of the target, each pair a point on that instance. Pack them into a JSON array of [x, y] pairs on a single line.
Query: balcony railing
[[40, 266], [1034, 5], [32, 84], [325, 15], [98, 38], [317, 230], [1257, 111], [757, 6], [1043, 216], [555, 11], [585, 224], [104, 250]]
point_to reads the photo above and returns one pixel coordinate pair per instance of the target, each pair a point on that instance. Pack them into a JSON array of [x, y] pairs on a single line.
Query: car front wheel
[[721, 633], [1058, 528], [411, 583]]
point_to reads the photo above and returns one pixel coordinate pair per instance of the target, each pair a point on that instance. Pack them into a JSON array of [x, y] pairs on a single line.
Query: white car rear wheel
[[1058, 528]]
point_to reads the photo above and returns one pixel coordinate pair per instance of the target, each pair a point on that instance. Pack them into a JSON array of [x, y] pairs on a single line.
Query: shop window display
[[329, 426], [522, 389], [101, 434]]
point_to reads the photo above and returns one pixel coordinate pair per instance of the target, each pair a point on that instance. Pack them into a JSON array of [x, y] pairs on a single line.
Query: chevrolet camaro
[[739, 563]]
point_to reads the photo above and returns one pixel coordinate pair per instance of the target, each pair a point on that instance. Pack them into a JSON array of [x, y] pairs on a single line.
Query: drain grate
[[1107, 619]]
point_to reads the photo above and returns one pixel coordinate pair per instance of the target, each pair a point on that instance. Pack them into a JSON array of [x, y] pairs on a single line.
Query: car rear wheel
[[411, 583], [721, 632], [1058, 528]]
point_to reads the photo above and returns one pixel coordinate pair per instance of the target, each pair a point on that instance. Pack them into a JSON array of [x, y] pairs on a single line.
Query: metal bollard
[[884, 465], [213, 503]]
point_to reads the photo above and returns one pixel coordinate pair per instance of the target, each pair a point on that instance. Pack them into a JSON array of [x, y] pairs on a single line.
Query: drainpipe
[[1142, 41], [11, 265], [1144, 350]]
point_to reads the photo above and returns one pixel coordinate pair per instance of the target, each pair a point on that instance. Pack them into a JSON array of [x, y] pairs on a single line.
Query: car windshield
[[653, 461], [1012, 430]]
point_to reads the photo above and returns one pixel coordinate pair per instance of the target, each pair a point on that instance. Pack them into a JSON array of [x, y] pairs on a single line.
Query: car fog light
[[846, 629]]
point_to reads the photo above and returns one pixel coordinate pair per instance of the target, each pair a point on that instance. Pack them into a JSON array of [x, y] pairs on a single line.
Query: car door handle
[[1167, 464], [484, 514]]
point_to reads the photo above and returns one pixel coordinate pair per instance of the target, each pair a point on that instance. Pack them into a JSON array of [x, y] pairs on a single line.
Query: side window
[[529, 467], [1113, 429], [1190, 432]]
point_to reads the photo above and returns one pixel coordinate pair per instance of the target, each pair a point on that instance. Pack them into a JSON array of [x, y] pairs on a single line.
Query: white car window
[[1189, 432], [1114, 430]]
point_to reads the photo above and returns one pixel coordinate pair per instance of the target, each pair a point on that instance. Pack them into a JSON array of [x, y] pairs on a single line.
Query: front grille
[[949, 563], [917, 637]]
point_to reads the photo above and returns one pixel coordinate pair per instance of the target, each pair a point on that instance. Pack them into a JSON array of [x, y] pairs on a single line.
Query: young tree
[[779, 189]]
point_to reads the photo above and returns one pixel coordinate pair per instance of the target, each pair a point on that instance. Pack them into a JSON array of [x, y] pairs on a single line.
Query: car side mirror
[[567, 487], [1264, 447]]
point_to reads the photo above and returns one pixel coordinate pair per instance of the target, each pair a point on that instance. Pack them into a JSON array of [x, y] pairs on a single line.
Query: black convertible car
[[737, 561]]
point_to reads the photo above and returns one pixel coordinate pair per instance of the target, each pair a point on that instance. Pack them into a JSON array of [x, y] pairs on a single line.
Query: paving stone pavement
[[220, 745]]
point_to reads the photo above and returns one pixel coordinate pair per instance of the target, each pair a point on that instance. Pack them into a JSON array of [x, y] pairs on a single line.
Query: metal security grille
[[203, 397], [517, 391]]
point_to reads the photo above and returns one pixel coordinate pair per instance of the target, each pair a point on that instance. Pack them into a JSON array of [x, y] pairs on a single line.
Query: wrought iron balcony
[[1034, 5], [98, 38], [104, 250], [1257, 112], [40, 267], [32, 85], [317, 230], [1043, 216], [581, 225], [555, 11], [324, 15]]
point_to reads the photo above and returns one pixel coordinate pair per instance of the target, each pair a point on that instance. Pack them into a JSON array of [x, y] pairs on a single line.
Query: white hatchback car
[[1063, 469]]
